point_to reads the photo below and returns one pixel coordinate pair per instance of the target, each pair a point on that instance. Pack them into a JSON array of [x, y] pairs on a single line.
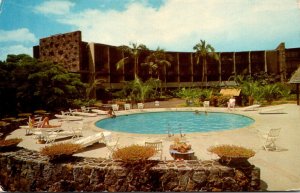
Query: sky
[[174, 25]]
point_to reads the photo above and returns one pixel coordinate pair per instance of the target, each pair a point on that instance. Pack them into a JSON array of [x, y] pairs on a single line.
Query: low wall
[[25, 170]]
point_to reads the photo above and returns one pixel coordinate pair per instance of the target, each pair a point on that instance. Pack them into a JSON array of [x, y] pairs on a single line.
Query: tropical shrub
[[231, 151], [56, 151], [134, 153]]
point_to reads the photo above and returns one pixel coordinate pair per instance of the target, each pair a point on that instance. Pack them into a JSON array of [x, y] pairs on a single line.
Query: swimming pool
[[176, 121]]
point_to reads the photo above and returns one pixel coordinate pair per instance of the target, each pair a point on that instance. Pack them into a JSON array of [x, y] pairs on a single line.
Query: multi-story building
[[98, 61]]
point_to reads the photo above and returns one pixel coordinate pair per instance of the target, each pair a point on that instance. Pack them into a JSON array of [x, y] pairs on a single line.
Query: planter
[[238, 161]]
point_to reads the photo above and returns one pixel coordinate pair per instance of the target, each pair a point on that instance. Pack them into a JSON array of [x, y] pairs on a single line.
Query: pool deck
[[280, 170]]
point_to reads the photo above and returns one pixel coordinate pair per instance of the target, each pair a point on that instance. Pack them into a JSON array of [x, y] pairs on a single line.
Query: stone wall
[[62, 48], [25, 170]]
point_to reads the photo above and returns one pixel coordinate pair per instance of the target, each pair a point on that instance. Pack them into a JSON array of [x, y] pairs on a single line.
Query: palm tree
[[134, 52], [158, 61], [204, 51]]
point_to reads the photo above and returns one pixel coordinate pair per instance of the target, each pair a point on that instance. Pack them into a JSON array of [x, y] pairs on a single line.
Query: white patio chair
[[156, 103], [127, 106], [206, 104], [111, 143], [231, 103], [115, 107], [270, 139], [140, 105], [158, 146]]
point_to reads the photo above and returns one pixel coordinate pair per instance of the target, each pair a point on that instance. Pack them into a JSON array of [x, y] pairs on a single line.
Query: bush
[[134, 153], [60, 150], [231, 151]]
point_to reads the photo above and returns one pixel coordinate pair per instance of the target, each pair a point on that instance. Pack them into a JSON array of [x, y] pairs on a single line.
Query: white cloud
[[179, 24], [18, 35], [56, 7], [14, 49]]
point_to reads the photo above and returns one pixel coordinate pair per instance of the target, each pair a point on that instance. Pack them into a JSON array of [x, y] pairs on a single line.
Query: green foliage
[[134, 153], [39, 84], [137, 90]]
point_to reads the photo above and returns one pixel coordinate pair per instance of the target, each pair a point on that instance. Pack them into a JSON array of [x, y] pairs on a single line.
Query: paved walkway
[[280, 170]]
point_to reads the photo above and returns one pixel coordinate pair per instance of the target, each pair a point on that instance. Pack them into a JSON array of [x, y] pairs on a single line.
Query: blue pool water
[[187, 122]]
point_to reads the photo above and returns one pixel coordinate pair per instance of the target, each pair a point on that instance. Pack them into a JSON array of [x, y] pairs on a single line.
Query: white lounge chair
[[127, 106], [99, 112], [272, 110], [140, 105], [68, 116], [270, 138], [251, 108], [83, 114], [157, 145], [71, 129], [90, 140]]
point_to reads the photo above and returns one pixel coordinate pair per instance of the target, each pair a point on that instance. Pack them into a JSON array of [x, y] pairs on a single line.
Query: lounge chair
[[115, 107], [83, 114], [90, 140], [157, 145], [140, 105], [270, 138], [251, 108], [99, 112], [272, 110], [49, 135], [127, 106], [69, 116]]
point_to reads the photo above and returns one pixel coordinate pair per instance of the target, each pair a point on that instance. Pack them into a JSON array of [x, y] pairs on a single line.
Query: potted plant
[[60, 151], [232, 154], [9, 144]]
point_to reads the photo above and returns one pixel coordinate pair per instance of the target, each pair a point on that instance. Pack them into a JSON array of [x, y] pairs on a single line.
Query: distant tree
[[158, 61], [133, 52], [204, 51]]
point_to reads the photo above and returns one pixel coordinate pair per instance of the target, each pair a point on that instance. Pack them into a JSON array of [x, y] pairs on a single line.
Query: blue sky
[[175, 25]]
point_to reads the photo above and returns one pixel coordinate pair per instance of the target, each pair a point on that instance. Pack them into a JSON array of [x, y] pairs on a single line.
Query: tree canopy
[[37, 84]]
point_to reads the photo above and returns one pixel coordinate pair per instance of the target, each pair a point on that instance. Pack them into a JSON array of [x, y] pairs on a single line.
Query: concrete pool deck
[[280, 170]]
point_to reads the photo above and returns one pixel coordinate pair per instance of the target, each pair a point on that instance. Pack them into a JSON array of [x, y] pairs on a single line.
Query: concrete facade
[[98, 61]]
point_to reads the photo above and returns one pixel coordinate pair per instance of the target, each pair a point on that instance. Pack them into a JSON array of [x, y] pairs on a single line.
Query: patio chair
[[231, 103], [156, 103], [157, 145], [115, 107], [270, 139], [206, 104], [111, 143], [127, 106], [140, 105]]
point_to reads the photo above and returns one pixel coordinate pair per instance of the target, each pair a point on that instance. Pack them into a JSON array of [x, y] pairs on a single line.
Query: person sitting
[[111, 113], [42, 124]]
